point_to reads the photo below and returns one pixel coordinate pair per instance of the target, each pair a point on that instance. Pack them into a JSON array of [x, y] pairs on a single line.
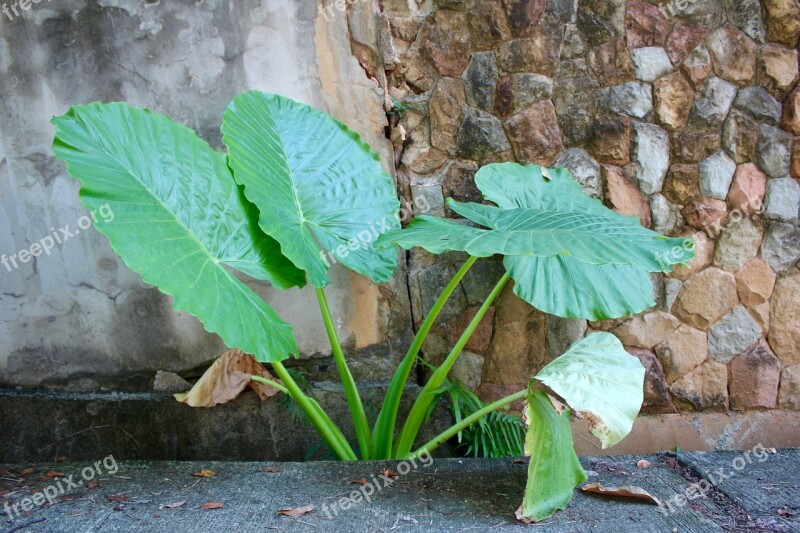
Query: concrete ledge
[[699, 432], [153, 426], [439, 495]]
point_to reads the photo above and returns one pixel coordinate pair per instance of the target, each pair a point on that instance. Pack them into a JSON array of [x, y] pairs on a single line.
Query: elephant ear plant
[[297, 192]]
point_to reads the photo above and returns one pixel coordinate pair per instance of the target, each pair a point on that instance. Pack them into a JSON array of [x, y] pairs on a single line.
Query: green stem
[[357, 412], [429, 393], [454, 430], [271, 383], [383, 434], [320, 420]]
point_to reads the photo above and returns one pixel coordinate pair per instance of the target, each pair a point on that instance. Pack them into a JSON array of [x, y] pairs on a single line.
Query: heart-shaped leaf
[[320, 189], [568, 254], [179, 220]]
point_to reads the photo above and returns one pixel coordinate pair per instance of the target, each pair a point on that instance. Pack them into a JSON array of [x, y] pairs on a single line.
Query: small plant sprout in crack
[[285, 220]]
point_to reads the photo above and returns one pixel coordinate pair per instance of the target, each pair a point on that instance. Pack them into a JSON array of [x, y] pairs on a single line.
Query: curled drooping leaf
[[554, 469], [226, 378], [600, 380]]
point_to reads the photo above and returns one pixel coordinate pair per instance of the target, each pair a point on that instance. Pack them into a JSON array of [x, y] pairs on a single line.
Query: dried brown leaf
[[622, 491], [52, 474], [93, 484], [558, 405], [174, 505], [270, 470], [212, 505], [388, 472], [296, 511], [359, 482], [226, 378], [70, 497], [27, 471], [118, 498], [204, 473]]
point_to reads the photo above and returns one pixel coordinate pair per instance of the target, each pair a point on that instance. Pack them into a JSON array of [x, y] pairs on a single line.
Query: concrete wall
[[79, 318]]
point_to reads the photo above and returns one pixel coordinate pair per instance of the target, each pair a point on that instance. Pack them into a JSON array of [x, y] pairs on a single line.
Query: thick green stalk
[[429, 393], [357, 412], [271, 383], [383, 434], [320, 420], [465, 423]]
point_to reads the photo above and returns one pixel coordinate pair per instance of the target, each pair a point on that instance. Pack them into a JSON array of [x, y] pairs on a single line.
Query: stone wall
[[682, 113]]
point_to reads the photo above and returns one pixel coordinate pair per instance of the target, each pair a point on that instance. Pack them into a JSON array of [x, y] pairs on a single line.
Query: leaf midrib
[[158, 200]]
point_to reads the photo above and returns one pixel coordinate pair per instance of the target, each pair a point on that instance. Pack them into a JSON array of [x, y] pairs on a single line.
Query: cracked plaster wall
[[79, 318]]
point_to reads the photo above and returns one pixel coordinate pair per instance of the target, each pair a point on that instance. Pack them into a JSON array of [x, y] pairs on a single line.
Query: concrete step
[[445, 495]]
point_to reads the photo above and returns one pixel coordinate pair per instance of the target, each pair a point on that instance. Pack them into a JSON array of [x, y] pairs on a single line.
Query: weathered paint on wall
[[78, 317]]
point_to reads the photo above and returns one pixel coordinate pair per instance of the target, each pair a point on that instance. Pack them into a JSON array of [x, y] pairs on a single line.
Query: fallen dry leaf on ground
[[174, 505], [93, 484], [388, 472], [297, 511], [623, 491], [359, 482], [212, 505], [52, 474], [118, 498], [226, 378], [204, 473], [70, 497], [270, 470], [643, 464], [27, 471]]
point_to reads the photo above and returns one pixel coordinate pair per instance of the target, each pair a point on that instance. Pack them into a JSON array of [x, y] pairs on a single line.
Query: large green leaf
[[511, 185], [320, 189], [598, 378], [554, 469], [178, 220], [564, 286], [593, 239], [568, 254]]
